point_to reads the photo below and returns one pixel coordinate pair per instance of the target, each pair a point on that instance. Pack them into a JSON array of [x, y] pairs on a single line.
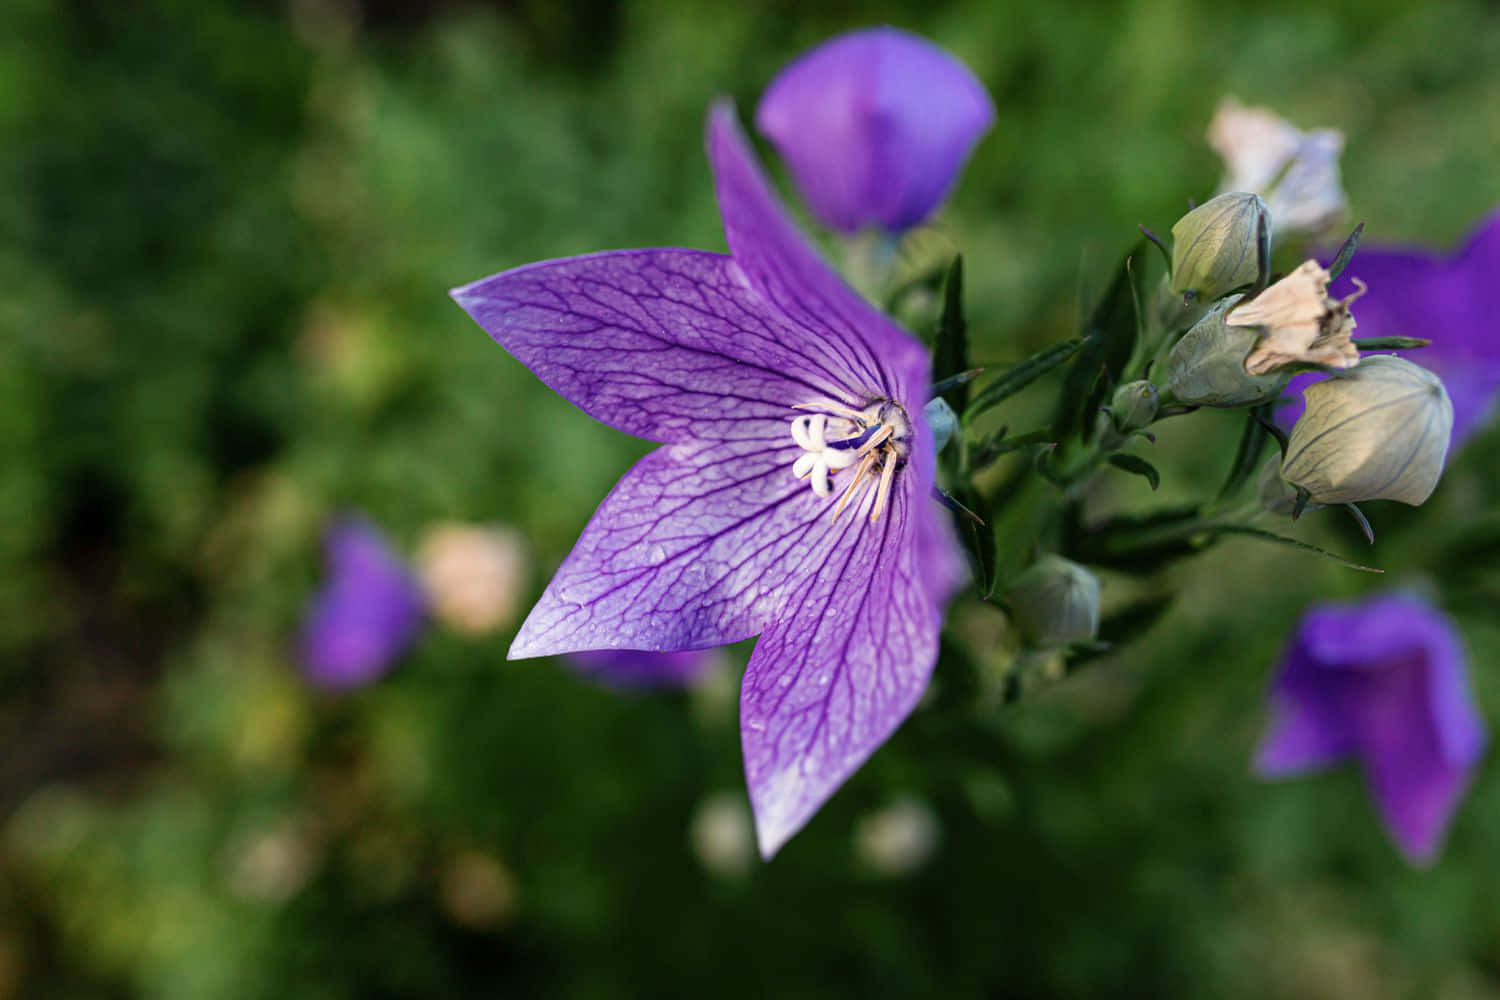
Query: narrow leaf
[[1109, 338], [1020, 376], [1270, 536], [1138, 466], [1247, 457], [1390, 343], [951, 352], [1341, 259]]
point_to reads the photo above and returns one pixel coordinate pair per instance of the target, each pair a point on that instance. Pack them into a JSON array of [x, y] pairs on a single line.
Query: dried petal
[[1300, 324]]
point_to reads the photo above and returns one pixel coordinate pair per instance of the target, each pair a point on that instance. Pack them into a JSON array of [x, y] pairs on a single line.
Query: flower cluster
[[818, 479]]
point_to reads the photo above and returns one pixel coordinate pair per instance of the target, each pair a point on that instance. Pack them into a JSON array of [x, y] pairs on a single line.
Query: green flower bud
[[1134, 405], [1378, 432], [1207, 366], [1056, 603], [1216, 247]]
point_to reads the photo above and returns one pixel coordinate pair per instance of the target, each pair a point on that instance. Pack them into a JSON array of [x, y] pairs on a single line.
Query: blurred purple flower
[[760, 373], [1383, 681], [368, 612], [1446, 298], [633, 668], [875, 125]]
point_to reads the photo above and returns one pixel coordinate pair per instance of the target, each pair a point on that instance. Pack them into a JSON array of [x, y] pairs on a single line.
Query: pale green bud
[[1378, 432], [942, 421], [1134, 405], [1207, 366], [1055, 603], [1132, 408], [1217, 247]]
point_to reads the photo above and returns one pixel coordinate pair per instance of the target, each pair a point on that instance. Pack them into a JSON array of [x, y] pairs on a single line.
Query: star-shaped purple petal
[[1383, 682], [761, 373], [367, 613], [1445, 298], [875, 126]]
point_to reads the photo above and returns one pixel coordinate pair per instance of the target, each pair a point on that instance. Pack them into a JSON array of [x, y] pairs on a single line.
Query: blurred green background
[[226, 235]]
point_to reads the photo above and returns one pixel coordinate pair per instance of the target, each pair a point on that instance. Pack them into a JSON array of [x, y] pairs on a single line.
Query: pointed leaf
[[1247, 457], [1138, 466], [950, 354], [1108, 341], [1271, 536], [1020, 376], [1341, 259], [1391, 343]]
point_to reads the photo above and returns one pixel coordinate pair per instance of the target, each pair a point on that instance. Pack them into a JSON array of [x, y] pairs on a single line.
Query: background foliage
[[226, 232]]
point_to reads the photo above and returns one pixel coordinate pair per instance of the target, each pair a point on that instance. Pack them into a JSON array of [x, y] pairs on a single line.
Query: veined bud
[[1056, 603], [1207, 366], [1378, 432], [1132, 408], [1216, 247], [1299, 323], [1134, 405]]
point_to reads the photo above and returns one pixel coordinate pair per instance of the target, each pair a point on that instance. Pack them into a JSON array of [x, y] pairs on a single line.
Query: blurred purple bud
[[367, 613], [1385, 682], [875, 126], [634, 668]]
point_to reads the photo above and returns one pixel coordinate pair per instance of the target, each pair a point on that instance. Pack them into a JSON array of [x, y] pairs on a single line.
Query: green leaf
[[1341, 259], [1390, 343], [1108, 340], [1247, 457], [1137, 466], [1142, 544], [998, 444], [951, 351], [1020, 376], [1271, 536], [979, 538]]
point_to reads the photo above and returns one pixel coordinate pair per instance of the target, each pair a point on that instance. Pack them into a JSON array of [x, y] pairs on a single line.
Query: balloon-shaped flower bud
[[1055, 603], [941, 420], [1207, 366], [1277, 496], [875, 126], [1218, 246], [1299, 323], [1378, 432], [1132, 408]]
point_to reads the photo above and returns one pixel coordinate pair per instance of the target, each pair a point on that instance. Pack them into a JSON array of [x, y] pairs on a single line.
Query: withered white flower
[[1300, 323], [1296, 172], [1377, 432]]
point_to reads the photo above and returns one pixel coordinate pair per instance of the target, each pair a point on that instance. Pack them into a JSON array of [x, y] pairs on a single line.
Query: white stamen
[[828, 439]]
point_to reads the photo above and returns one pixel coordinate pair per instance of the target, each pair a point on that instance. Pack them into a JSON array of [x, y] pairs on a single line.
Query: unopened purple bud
[[368, 612], [875, 126]]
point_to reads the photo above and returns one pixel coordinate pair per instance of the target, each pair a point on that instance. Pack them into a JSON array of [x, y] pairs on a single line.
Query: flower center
[[874, 441]]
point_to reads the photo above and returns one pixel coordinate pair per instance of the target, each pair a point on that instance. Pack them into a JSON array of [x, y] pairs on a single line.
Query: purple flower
[[366, 615], [1383, 681], [875, 125], [782, 400], [1445, 298], [633, 668]]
